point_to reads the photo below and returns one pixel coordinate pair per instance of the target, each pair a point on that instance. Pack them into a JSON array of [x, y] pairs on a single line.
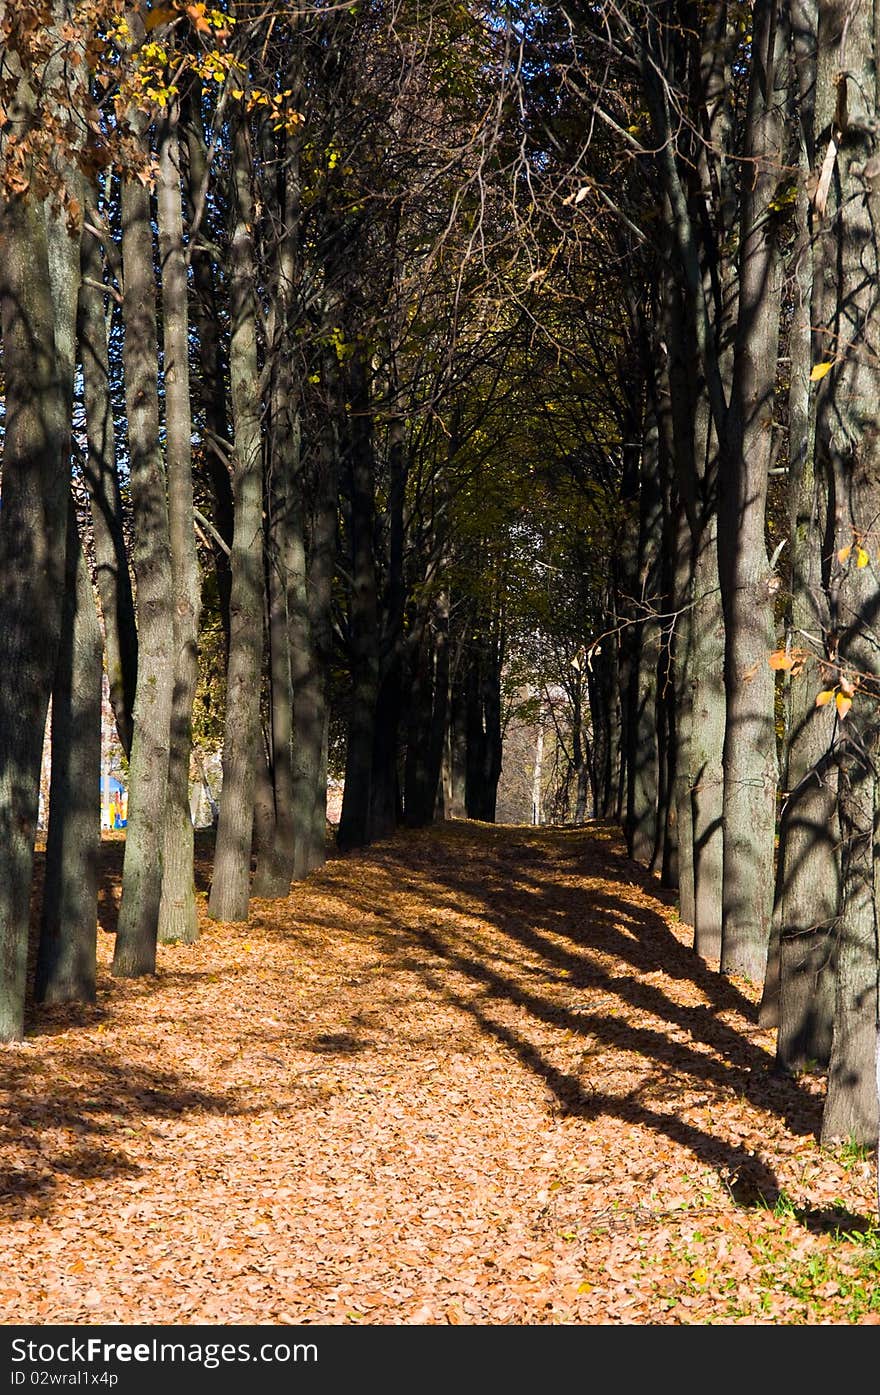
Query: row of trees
[[739, 657], [404, 345], [256, 286]]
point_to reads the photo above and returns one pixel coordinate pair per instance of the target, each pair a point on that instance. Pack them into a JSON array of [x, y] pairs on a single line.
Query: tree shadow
[[514, 924], [76, 1125]]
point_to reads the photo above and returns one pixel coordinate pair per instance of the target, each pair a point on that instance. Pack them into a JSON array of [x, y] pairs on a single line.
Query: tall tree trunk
[[385, 792], [483, 697], [136, 936], [275, 847], [66, 960], [747, 587], [418, 796], [102, 479], [354, 822], [230, 887], [848, 443], [682, 666], [799, 985], [441, 697], [286, 551], [33, 528], [454, 804], [705, 746], [213, 374], [643, 784], [177, 914], [666, 854], [311, 713]]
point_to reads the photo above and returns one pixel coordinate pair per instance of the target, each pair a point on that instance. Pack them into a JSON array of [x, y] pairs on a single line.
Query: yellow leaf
[[820, 369], [825, 696], [700, 1276], [843, 705], [585, 1288], [862, 558], [844, 553]]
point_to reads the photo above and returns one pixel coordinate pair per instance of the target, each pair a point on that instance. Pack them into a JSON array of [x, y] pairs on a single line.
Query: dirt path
[[471, 1076]]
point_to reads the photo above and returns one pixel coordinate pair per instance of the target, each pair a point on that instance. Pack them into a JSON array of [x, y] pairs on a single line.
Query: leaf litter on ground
[[471, 1075]]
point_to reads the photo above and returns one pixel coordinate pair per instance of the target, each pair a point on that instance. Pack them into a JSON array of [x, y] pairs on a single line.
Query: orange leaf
[[843, 705], [823, 697], [780, 660], [844, 553]]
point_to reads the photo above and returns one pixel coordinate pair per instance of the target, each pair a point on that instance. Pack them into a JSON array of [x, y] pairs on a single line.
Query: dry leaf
[[781, 661], [342, 1124]]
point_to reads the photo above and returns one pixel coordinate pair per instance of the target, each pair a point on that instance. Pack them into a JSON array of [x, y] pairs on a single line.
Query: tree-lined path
[[471, 1075]]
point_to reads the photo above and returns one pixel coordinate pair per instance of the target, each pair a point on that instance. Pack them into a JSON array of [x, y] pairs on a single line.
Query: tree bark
[[644, 775], [286, 555], [230, 887], [799, 984], [354, 822], [66, 959], [747, 587], [311, 715], [213, 374], [102, 479], [705, 746], [848, 445], [137, 931], [33, 528], [178, 920]]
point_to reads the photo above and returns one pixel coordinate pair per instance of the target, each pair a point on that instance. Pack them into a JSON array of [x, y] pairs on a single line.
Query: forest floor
[[472, 1075]]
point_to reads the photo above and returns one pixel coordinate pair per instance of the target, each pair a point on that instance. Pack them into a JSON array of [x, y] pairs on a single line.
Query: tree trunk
[[230, 887], [848, 444], [66, 961], [102, 479], [354, 822], [454, 804], [799, 985], [706, 742], [275, 848], [385, 791], [747, 587], [851, 1107], [643, 784], [33, 528], [211, 380], [135, 952], [483, 697], [177, 914], [311, 715]]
